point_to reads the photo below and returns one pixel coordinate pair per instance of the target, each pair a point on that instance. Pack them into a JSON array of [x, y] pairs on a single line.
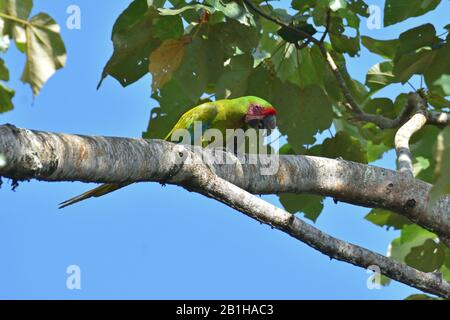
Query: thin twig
[[280, 23], [327, 27]]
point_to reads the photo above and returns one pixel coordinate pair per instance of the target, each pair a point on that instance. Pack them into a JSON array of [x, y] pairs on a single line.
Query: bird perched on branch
[[240, 113]]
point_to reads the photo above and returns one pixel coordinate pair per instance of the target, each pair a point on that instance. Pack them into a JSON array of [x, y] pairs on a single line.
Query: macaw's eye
[[260, 125]]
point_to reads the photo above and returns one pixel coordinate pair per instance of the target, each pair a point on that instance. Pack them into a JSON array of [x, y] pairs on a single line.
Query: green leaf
[[310, 205], [233, 10], [335, 5], [413, 63], [420, 164], [176, 12], [442, 166], [397, 11], [436, 100], [19, 9], [303, 68], [345, 44], [359, 7], [170, 27], [233, 81], [416, 38], [45, 51], [165, 60], [4, 72], [234, 37], [384, 48], [134, 39], [6, 95], [345, 146], [444, 83], [420, 51], [411, 236], [201, 61], [380, 76], [422, 146], [386, 218], [290, 36], [303, 5], [439, 70], [303, 114], [427, 257]]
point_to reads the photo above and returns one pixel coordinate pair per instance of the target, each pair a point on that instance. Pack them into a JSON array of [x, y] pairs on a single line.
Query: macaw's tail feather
[[97, 192]]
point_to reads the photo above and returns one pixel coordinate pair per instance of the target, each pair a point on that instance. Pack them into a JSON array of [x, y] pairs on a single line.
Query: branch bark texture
[[63, 157]]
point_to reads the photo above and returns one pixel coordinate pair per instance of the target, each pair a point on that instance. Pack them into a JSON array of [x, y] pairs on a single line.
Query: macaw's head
[[260, 114]]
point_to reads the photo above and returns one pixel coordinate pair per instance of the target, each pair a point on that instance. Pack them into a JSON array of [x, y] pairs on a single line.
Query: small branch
[[402, 137], [327, 27], [440, 119], [12, 18], [353, 106]]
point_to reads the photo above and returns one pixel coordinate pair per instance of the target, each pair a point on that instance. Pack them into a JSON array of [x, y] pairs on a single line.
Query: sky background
[[148, 241]]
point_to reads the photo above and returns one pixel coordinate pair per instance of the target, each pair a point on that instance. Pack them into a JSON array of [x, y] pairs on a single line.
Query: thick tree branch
[[57, 157], [63, 157]]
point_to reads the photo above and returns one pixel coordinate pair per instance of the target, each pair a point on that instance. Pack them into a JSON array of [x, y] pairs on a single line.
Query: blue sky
[[149, 241]]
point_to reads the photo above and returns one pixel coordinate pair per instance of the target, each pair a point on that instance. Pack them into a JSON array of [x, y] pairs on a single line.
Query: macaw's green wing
[[204, 113]]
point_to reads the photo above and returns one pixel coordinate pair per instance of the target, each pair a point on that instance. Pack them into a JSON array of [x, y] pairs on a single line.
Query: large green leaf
[[45, 51], [416, 51], [165, 60], [344, 146], [233, 10], [384, 48], [380, 76], [134, 37], [201, 61], [4, 72], [437, 73], [233, 81], [310, 205], [6, 95], [399, 10], [411, 236], [427, 257], [386, 218], [444, 83], [442, 167], [18, 9]]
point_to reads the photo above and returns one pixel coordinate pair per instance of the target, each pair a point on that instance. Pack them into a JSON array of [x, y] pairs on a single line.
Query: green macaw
[[240, 113]]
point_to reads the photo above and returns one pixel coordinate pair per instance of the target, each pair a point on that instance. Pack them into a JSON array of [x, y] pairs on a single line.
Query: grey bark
[[64, 157]]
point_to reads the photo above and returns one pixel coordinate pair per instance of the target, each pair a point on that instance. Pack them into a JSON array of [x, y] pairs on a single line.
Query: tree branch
[[402, 137], [438, 118], [63, 157], [58, 157]]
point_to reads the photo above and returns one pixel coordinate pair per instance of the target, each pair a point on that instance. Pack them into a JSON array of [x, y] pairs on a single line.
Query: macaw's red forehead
[[257, 110]]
